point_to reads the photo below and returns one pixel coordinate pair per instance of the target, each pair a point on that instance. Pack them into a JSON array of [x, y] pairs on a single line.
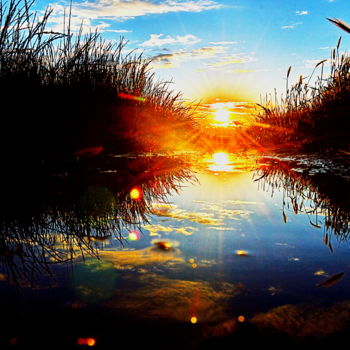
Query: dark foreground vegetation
[[67, 94], [311, 116]]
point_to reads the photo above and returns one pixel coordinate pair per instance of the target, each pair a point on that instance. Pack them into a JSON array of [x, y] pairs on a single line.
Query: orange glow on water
[[220, 162], [163, 245], [136, 193]]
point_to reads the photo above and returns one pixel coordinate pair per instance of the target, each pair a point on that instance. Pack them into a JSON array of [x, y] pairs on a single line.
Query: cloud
[[187, 231], [159, 297], [228, 60], [305, 320], [291, 26], [173, 59], [159, 40], [223, 42], [240, 71], [126, 9], [129, 259], [301, 13], [311, 63], [221, 212], [156, 230], [118, 30]]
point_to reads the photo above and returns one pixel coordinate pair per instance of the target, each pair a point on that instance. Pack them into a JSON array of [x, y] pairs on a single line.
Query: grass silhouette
[[310, 116], [63, 92]]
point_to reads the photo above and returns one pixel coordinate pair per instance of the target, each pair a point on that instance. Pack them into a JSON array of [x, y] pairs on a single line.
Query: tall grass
[[310, 114], [63, 91]]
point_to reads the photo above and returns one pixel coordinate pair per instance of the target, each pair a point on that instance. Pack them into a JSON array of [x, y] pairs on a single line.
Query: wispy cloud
[[101, 14], [159, 297], [231, 59], [156, 230], [223, 42], [241, 71], [311, 63], [172, 59], [128, 9], [200, 217], [302, 13], [161, 40], [291, 26]]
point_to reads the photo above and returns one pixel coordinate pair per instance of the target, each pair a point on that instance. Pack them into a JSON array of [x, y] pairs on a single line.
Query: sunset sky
[[236, 50]]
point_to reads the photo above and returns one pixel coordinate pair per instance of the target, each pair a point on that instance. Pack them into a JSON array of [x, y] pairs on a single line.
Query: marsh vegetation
[[313, 113]]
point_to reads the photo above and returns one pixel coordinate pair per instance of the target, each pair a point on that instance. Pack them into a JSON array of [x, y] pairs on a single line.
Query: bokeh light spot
[[241, 318], [136, 193], [194, 320], [86, 341], [134, 235], [241, 252]]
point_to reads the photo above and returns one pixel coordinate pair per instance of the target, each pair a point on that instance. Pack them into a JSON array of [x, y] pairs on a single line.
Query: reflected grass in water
[[322, 196], [76, 213]]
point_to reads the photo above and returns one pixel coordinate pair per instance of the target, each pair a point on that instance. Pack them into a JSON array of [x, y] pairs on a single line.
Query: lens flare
[[135, 193], [134, 235], [241, 318], [86, 341]]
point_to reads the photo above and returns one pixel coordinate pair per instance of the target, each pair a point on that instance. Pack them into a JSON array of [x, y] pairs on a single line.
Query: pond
[[187, 251]]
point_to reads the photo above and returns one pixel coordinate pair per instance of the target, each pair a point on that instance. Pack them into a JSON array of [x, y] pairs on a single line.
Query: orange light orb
[[90, 342], [86, 341], [241, 318], [136, 193], [194, 320], [241, 252]]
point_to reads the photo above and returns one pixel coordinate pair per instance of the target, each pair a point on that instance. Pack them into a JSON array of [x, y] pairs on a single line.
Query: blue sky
[[238, 49]]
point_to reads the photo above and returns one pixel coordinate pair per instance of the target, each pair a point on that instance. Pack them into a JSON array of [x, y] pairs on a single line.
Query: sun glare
[[220, 162], [222, 116], [221, 158]]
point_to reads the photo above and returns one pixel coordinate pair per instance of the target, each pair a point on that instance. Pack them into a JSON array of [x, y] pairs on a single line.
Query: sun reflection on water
[[224, 162], [220, 162]]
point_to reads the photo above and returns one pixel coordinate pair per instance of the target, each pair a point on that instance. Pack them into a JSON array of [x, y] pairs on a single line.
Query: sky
[[237, 50]]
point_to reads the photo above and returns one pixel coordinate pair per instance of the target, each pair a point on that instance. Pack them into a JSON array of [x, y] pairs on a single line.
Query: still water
[[192, 251]]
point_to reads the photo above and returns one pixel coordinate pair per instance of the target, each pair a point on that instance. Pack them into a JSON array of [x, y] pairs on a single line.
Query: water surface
[[215, 249]]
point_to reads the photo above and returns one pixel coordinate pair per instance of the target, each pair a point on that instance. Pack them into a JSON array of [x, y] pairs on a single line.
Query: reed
[[309, 115], [64, 91]]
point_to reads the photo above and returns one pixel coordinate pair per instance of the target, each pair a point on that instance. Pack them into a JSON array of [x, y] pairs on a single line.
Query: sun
[[221, 158], [222, 116]]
